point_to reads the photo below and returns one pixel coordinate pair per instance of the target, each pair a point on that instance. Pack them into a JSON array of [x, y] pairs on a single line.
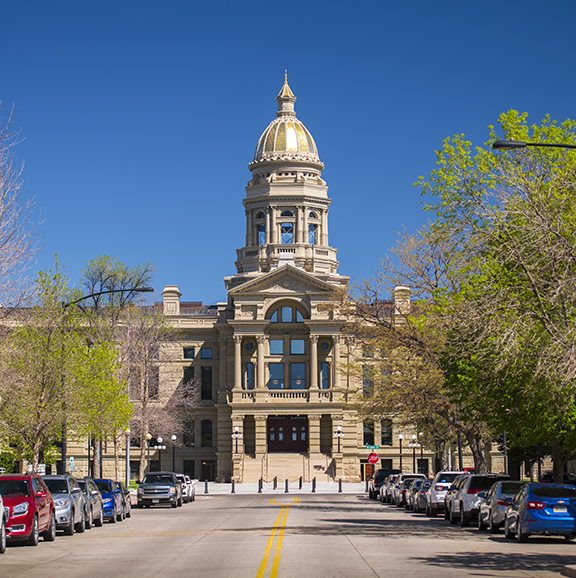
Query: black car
[[93, 503], [160, 488], [377, 480]]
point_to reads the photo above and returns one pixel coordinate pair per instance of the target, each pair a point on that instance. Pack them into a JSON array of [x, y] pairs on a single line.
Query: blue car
[[542, 509], [112, 500]]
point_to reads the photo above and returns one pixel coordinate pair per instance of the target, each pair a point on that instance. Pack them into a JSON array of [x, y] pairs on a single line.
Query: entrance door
[[287, 433]]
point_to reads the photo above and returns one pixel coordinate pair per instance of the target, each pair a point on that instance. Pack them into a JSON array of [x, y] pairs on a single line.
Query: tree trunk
[[96, 467], [142, 466], [558, 460], [116, 459], [478, 448]]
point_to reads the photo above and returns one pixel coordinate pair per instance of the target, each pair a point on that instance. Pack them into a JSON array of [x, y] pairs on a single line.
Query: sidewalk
[[268, 488]]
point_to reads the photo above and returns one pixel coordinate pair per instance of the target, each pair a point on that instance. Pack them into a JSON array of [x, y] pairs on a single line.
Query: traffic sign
[[372, 447], [373, 458]]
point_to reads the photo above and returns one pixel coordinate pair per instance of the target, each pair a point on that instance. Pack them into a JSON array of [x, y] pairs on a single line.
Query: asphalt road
[[286, 536]]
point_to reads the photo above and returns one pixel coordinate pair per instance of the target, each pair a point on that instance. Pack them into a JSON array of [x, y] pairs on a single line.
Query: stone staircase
[[285, 466]]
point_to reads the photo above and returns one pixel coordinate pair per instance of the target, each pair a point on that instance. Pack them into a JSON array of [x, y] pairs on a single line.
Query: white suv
[[466, 502], [440, 485], [397, 496]]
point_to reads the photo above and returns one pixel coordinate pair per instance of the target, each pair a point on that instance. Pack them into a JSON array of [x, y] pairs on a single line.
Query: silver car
[[440, 485], [495, 503], [69, 502]]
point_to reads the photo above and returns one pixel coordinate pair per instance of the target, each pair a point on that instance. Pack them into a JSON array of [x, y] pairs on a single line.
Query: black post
[[260, 486], [286, 490], [300, 484], [460, 464], [275, 482], [340, 486], [313, 485], [233, 490], [505, 454], [205, 486], [367, 482]]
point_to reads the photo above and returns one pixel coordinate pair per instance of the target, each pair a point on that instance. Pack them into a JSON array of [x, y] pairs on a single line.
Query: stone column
[[324, 227], [299, 217], [260, 377], [305, 225], [237, 421], [222, 382], [272, 211], [268, 226], [237, 362], [249, 229], [314, 434], [336, 370], [261, 440], [314, 381]]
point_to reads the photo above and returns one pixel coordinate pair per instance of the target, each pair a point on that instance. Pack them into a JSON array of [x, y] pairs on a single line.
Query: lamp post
[[127, 432], [174, 438], [414, 444], [339, 435], [236, 435], [148, 438], [400, 438], [159, 447], [516, 144], [64, 306]]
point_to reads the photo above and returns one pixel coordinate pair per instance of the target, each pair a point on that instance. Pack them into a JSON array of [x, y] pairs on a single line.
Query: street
[[287, 536]]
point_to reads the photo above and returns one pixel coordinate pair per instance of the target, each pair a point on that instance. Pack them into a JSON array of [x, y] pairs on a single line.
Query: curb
[[569, 571]]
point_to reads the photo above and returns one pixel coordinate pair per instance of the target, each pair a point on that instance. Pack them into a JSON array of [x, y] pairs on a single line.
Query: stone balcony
[[286, 396]]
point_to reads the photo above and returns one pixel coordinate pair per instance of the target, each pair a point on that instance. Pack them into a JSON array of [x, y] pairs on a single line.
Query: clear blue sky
[[140, 117]]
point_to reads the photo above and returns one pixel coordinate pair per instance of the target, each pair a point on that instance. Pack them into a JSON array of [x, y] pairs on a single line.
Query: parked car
[[69, 503], [449, 514], [3, 522], [93, 503], [376, 481], [112, 500], [188, 493], [466, 501], [436, 494], [542, 509], [494, 504], [28, 510], [192, 488], [126, 499], [412, 490], [397, 495], [548, 478], [160, 488], [421, 496], [387, 487]]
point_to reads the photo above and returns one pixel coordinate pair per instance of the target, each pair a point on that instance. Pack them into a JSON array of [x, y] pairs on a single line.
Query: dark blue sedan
[[112, 500], [542, 509]]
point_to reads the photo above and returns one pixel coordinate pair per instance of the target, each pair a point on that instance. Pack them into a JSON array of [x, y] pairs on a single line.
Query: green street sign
[[372, 447]]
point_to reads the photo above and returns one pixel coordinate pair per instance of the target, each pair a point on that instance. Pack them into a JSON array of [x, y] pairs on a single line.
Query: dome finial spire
[[285, 99]]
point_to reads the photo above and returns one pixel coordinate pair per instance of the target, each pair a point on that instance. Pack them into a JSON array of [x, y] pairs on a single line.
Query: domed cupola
[[286, 139]]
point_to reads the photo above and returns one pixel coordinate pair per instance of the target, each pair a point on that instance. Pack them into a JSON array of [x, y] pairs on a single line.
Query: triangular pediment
[[285, 280]]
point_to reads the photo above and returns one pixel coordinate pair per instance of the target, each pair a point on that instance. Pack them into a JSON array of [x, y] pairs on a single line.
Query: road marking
[[297, 500], [276, 562], [264, 562], [272, 501]]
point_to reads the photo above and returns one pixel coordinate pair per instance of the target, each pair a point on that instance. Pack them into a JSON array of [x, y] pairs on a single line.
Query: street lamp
[[64, 306], [400, 438], [414, 444], [236, 435], [174, 438], [148, 438], [127, 433], [159, 447], [339, 435], [516, 144]]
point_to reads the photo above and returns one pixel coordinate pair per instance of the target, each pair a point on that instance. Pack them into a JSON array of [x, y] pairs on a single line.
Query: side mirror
[[94, 493], [482, 495], [117, 490], [41, 494], [76, 491]]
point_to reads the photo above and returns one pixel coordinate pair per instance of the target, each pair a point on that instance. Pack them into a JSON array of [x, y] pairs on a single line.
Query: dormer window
[[287, 233], [261, 234], [260, 215], [312, 234]]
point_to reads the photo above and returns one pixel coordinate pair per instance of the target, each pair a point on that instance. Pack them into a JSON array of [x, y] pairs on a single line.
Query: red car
[[29, 507]]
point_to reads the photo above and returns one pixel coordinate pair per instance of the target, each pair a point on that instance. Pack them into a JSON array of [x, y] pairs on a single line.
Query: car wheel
[[99, 521], [3, 536], [507, 532], [180, 503], [193, 499], [89, 520], [120, 515], [416, 508], [81, 525], [129, 513], [446, 512], [174, 504], [492, 526], [432, 512], [522, 537], [569, 537], [113, 518], [69, 529], [34, 535], [50, 534], [453, 519], [464, 517], [481, 525]]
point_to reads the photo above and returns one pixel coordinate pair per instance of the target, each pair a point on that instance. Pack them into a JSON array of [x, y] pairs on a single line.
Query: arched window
[[287, 233], [287, 214], [312, 215], [260, 215], [286, 315], [312, 234], [261, 234]]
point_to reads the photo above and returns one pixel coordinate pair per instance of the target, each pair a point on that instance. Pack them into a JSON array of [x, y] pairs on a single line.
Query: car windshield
[[103, 486], [56, 486], [158, 479], [446, 478], [483, 482], [554, 492], [15, 488]]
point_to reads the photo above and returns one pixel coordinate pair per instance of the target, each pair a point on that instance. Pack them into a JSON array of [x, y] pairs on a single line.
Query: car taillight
[[403, 491], [473, 490], [439, 488], [502, 503], [535, 505]]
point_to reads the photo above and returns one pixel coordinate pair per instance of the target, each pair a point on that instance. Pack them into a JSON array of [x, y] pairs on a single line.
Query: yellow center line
[[264, 562], [276, 562], [297, 500]]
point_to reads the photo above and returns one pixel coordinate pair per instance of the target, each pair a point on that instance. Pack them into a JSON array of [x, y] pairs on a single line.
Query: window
[[287, 233], [276, 376], [261, 234], [260, 215], [312, 215], [298, 375], [324, 345], [297, 347], [249, 384], [276, 347], [274, 317], [154, 383], [287, 214], [188, 353], [249, 346], [286, 314], [206, 353], [299, 318], [312, 234], [206, 388], [325, 376], [368, 432], [188, 435], [188, 374], [386, 432], [367, 383], [206, 427]]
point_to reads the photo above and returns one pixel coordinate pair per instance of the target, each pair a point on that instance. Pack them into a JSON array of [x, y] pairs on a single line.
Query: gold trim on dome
[[269, 147], [280, 138], [302, 141], [291, 138]]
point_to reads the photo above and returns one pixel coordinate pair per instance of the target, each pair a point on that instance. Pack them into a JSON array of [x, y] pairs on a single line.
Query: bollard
[[260, 486], [340, 486], [233, 490], [205, 486], [300, 485], [286, 490], [275, 482], [367, 481], [313, 485]]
